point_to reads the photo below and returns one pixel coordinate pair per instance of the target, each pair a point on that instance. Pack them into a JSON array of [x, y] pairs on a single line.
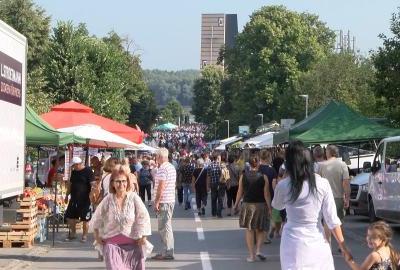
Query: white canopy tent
[[227, 141], [99, 137], [261, 141]]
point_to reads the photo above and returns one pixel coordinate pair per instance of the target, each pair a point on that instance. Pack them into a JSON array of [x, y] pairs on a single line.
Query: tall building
[[217, 31]]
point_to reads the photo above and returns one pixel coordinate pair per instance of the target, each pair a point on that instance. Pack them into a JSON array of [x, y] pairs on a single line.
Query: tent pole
[[87, 154], [358, 170], [55, 198], [37, 166]]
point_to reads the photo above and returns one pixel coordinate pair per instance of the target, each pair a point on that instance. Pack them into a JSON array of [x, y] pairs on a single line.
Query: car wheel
[[371, 211]]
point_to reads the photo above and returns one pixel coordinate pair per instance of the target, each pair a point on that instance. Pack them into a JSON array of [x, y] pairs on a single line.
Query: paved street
[[204, 243]]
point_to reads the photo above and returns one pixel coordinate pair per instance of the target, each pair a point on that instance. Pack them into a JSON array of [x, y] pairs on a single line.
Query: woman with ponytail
[[307, 198], [383, 256]]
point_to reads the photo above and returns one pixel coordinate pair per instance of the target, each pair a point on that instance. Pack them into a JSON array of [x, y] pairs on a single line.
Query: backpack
[[225, 175]]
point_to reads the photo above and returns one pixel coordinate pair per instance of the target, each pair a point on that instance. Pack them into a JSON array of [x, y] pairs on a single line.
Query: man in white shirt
[[165, 181]]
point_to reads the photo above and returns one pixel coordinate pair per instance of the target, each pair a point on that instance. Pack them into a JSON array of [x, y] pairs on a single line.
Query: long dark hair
[[300, 168]]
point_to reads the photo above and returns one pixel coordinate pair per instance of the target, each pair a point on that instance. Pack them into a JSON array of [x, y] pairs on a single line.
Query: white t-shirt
[[106, 184]]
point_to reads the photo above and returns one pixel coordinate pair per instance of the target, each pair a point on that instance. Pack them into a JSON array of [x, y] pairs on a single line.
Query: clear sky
[[166, 33]]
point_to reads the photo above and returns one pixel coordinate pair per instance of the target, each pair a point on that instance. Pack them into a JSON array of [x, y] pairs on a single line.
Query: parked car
[[359, 194], [384, 182]]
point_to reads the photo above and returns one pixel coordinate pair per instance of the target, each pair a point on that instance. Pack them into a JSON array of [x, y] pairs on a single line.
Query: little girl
[[383, 256]]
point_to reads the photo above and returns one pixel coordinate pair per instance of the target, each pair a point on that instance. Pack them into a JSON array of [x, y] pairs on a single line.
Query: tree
[[32, 22], [343, 77], [169, 85], [97, 72], [386, 61], [274, 49], [207, 98], [144, 112], [172, 111]]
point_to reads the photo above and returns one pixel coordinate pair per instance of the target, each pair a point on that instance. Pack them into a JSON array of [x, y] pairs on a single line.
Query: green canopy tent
[[346, 126], [304, 125], [38, 132], [335, 123], [166, 126]]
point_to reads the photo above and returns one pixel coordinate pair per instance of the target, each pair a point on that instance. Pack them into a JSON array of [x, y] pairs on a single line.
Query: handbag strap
[[198, 177]]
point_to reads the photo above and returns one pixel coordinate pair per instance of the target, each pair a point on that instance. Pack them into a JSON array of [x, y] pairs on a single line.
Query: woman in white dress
[[307, 198]]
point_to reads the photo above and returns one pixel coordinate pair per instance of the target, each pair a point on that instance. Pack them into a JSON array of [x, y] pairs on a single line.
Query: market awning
[[335, 123], [72, 113], [98, 137], [227, 141], [166, 126], [38, 132], [143, 147], [261, 141]]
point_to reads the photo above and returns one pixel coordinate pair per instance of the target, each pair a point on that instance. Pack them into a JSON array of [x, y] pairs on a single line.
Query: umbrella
[[167, 126], [99, 137], [143, 147], [72, 113]]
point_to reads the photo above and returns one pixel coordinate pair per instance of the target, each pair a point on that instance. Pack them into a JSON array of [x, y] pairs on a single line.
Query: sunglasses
[[119, 182]]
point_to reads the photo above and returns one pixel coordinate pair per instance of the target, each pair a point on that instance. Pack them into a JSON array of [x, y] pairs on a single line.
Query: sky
[[166, 33]]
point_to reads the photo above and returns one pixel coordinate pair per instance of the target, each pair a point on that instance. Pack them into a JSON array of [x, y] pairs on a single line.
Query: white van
[[384, 182]]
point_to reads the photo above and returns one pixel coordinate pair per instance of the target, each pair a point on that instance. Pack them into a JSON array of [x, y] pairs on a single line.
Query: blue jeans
[[187, 190]]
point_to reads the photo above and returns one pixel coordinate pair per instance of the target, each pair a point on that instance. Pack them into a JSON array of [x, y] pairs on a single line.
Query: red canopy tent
[[72, 113]]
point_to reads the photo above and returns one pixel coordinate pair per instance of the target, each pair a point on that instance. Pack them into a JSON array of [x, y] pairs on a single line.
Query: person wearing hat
[[80, 184]]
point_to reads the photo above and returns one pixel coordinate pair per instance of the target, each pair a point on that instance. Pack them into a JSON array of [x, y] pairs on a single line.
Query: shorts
[[340, 208], [276, 216], [81, 211]]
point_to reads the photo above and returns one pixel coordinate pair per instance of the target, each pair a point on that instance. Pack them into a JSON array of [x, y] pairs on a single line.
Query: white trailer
[[13, 51]]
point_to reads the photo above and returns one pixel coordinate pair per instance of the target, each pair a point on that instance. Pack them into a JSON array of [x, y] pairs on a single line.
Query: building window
[[220, 21]]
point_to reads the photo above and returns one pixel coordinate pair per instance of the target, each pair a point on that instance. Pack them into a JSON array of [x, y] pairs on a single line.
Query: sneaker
[[261, 256], [199, 213], [203, 211]]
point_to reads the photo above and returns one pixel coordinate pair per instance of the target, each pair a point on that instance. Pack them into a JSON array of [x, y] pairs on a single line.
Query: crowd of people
[[187, 136], [294, 193]]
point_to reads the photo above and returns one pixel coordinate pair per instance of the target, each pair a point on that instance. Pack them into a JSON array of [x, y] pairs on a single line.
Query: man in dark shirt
[[81, 182]]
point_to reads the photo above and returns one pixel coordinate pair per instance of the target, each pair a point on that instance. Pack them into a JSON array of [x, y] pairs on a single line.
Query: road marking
[[197, 218], [194, 206], [205, 261], [200, 233]]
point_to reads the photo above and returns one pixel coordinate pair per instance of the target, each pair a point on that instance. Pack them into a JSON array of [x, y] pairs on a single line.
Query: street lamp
[[228, 126], [262, 118], [306, 97]]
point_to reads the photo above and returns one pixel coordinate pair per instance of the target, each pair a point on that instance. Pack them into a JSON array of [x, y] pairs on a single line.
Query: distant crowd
[[189, 136]]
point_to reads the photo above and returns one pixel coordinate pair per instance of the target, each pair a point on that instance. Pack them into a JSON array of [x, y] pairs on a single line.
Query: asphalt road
[[200, 244]]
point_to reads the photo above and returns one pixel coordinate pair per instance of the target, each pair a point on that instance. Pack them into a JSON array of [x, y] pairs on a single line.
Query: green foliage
[[32, 22], [171, 112], [99, 73], [169, 85], [342, 77], [144, 112], [274, 49], [208, 99], [386, 61]]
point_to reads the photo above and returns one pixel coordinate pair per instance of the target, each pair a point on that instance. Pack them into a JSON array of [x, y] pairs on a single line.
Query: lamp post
[[306, 97], [228, 126], [262, 118]]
